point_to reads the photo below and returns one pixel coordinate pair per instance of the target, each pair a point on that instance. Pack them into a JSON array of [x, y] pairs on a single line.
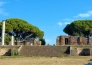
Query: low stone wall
[[4, 51], [8, 50], [80, 51], [48, 51]]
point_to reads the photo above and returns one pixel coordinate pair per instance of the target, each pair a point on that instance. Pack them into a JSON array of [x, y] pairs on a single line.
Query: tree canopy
[[79, 28], [43, 42], [21, 29]]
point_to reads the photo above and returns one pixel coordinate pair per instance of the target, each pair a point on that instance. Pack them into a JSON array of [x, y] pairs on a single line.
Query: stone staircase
[[51, 51]]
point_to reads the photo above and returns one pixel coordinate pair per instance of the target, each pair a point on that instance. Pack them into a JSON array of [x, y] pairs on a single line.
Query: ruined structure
[[3, 32], [73, 40], [28, 42]]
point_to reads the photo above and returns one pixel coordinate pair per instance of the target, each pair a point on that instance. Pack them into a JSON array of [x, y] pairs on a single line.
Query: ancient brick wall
[[73, 40], [85, 41], [60, 40], [6, 50], [37, 43], [90, 42], [50, 51], [22, 43], [3, 51], [63, 38], [73, 52], [31, 42], [90, 52], [80, 51], [80, 41]]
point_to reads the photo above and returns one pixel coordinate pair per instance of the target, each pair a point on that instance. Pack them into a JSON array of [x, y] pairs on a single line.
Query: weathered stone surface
[[3, 51], [73, 40], [50, 51], [90, 52], [29, 42], [80, 51], [73, 53]]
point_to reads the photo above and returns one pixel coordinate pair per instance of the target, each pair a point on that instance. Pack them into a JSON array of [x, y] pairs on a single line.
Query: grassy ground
[[71, 60]]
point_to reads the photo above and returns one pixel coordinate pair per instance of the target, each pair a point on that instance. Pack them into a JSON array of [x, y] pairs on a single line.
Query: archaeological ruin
[[65, 45], [73, 40], [28, 42]]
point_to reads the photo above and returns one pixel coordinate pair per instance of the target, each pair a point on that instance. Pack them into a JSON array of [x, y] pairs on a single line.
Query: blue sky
[[51, 16]]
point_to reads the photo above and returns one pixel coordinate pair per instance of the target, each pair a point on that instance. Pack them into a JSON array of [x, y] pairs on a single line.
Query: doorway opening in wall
[[66, 41], [78, 40], [85, 52]]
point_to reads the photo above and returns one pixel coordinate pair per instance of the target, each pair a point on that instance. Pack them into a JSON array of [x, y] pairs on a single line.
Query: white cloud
[[88, 14], [66, 23], [48, 40], [67, 19], [2, 12], [2, 3], [59, 23]]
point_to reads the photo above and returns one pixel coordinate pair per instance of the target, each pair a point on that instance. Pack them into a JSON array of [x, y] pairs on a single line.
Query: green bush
[[14, 52]]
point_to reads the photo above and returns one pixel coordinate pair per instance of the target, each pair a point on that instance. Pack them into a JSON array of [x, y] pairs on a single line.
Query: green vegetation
[[43, 42], [7, 39], [79, 28], [21, 30], [14, 52]]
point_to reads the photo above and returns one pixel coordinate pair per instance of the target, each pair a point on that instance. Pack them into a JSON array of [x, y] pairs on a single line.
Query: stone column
[[34, 42], [12, 40], [57, 41], [3, 31]]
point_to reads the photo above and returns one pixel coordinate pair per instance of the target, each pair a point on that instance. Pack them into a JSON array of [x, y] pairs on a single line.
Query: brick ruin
[[73, 40], [81, 50], [29, 42]]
